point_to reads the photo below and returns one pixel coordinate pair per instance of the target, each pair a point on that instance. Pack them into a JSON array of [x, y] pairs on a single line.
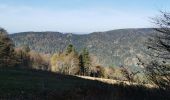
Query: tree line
[[72, 63]]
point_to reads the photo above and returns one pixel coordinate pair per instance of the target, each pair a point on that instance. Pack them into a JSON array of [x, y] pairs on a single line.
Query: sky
[[79, 16]]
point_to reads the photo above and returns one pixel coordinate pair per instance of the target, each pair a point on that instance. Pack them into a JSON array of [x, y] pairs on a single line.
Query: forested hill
[[111, 48]]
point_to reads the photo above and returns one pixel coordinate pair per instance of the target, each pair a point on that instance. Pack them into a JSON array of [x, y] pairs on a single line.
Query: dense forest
[[112, 48]]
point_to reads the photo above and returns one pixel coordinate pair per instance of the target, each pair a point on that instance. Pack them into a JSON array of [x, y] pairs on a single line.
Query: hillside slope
[[112, 48], [21, 84]]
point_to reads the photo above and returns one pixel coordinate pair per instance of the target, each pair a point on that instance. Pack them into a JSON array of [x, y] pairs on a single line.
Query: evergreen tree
[[85, 63], [81, 64], [70, 49]]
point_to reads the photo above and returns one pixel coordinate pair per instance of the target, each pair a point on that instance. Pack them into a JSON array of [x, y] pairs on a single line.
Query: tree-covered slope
[[112, 48]]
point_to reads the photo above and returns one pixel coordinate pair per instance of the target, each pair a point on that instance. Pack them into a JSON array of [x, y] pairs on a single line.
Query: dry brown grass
[[112, 81]]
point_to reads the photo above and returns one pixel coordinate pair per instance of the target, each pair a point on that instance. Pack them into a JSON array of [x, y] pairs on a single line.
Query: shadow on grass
[[21, 84]]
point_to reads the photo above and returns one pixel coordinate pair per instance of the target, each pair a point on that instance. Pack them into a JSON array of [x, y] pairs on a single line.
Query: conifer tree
[[70, 49], [81, 64], [85, 62]]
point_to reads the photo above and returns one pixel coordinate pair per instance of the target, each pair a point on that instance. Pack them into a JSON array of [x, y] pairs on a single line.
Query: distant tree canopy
[[159, 44], [7, 54], [109, 47]]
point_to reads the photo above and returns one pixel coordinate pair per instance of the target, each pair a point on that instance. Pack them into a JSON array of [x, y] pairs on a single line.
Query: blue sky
[[81, 16]]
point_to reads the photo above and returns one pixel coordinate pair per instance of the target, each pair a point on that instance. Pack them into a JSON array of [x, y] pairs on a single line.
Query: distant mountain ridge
[[112, 48]]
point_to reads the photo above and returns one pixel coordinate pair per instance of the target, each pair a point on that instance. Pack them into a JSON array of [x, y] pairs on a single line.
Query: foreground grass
[[20, 84]]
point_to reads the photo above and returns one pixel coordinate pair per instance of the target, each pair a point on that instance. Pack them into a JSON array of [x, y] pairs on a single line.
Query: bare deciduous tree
[[158, 69]]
